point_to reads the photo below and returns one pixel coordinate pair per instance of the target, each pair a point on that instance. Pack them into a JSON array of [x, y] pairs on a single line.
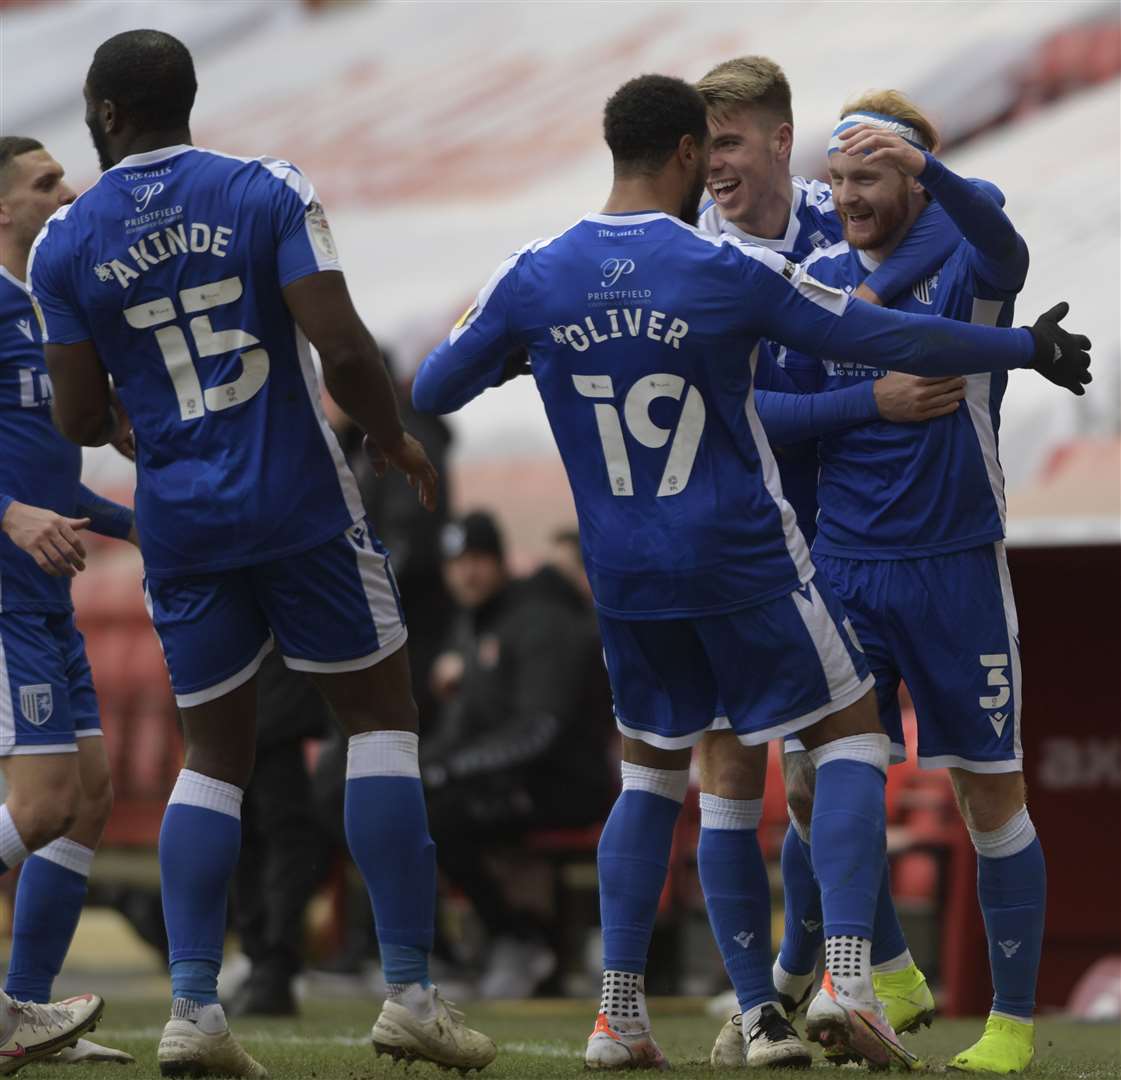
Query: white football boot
[[609, 1048], [419, 1025], [767, 1041], [198, 1042], [87, 1052], [39, 1031], [860, 1029]]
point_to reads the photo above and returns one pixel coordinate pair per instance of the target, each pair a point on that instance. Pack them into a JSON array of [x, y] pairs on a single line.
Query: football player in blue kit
[[918, 557], [55, 766], [197, 280], [643, 335], [755, 199]]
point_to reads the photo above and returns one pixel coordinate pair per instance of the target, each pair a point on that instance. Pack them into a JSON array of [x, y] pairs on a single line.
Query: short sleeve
[[56, 306], [304, 243]]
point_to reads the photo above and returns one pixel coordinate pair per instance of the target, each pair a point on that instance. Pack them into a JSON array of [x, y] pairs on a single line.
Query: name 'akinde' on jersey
[[173, 240]]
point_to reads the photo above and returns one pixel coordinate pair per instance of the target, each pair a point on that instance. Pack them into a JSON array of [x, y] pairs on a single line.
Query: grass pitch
[[543, 1038]]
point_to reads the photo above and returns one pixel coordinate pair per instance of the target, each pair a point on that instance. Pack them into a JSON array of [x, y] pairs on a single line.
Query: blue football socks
[[200, 841], [49, 898], [803, 933], [633, 858], [387, 833], [737, 894], [1012, 889]]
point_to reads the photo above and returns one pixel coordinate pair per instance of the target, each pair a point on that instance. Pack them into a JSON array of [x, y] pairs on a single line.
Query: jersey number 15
[[193, 400]]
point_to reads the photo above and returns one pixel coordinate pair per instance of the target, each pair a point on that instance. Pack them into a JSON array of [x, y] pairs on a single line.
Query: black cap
[[477, 531]]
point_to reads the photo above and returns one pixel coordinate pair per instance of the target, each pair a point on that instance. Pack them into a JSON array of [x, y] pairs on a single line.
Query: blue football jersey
[[173, 266], [37, 465], [813, 224], [813, 221], [642, 333], [898, 491]]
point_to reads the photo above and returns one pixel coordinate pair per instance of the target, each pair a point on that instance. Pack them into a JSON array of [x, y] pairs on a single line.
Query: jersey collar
[[638, 218], [151, 157], [7, 275], [784, 243], [866, 260]]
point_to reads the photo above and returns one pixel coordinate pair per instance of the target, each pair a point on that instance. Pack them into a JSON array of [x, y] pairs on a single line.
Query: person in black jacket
[[523, 734]]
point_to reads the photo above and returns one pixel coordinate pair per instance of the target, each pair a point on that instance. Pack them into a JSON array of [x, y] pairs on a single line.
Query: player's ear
[[686, 149], [782, 141]]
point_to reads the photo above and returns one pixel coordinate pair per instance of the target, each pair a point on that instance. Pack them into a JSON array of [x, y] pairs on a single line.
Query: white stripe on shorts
[[840, 674], [1013, 623], [381, 599], [7, 718], [238, 678]]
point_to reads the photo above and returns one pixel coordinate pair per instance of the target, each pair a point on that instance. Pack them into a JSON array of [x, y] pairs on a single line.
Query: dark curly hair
[[645, 119], [148, 74]]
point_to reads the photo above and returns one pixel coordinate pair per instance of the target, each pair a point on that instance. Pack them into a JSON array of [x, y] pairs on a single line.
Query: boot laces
[[41, 1017], [772, 1025]]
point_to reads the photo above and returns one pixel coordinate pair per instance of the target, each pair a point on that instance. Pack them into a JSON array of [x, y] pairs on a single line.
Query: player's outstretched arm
[[355, 374], [480, 352], [49, 538], [789, 306], [84, 406]]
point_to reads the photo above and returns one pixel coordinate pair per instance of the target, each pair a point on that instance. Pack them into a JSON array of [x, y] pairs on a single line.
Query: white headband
[[880, 120]]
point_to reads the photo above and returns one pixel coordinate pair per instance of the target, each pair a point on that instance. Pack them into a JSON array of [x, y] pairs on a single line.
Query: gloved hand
[[1062, 358]]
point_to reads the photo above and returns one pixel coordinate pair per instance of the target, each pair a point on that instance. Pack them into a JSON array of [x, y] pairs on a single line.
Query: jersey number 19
[[636, 413]]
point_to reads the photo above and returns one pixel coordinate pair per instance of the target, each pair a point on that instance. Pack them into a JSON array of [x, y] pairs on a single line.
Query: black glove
[[1062, 358], [517, 363]]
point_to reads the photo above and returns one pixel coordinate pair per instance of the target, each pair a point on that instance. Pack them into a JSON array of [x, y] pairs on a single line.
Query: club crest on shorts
[[37, 703]]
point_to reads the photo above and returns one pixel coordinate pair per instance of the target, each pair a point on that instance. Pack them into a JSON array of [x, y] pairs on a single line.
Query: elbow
[[343, 363]]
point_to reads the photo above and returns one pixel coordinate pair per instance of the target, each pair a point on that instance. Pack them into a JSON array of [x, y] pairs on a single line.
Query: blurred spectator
[[289, 834], [411, 533], [284, 851], [522, 739]]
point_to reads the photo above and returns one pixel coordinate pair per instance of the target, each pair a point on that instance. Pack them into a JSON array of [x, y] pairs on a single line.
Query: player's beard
[[888, 219], [692, 204], [100, 144]]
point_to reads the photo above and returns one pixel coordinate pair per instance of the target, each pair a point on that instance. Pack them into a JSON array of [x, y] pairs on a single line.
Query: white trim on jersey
[[487, 291], [58, 215], [347, 484], [227, 685], [152, 157], [977, 390], [795, 542], [801, 189]]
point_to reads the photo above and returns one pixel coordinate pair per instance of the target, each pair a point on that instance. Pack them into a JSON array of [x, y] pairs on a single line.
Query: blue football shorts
[[946, 626], [332, 608], [770, 669], [47, 700]]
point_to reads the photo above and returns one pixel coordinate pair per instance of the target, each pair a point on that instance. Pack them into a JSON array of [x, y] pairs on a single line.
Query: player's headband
[[880, 120]]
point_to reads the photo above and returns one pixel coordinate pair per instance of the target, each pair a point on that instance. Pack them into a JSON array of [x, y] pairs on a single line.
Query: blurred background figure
[[522, 739]]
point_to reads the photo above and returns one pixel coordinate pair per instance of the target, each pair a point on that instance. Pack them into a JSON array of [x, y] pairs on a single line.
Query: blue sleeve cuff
[[107, 518], [5, 502]]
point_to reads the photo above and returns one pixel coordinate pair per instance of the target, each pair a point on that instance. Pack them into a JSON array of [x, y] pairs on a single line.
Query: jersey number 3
[[193, 400], [636, 413]]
